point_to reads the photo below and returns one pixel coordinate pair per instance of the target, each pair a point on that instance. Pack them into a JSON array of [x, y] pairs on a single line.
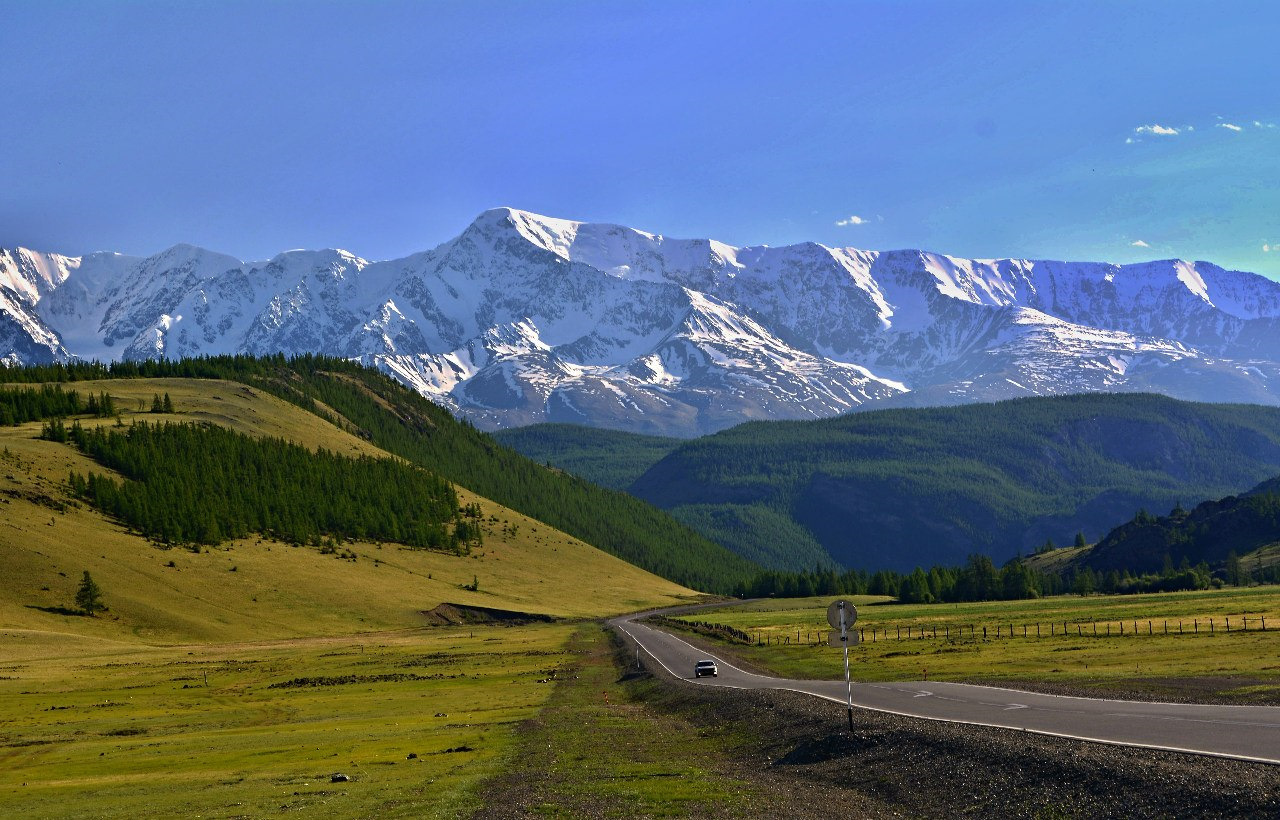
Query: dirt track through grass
[[598, 750]]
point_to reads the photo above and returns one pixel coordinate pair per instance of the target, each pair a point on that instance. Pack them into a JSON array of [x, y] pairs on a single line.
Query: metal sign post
[[842, 615]]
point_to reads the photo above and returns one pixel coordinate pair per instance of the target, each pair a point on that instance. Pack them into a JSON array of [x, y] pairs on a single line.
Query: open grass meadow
[[415, 719], [946, 641], [236, 680]]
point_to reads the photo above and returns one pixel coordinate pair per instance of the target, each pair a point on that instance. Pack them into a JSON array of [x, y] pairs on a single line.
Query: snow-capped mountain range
[[524, 318]]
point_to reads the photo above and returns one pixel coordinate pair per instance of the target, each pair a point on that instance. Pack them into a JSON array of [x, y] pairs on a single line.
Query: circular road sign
[[833, 614]]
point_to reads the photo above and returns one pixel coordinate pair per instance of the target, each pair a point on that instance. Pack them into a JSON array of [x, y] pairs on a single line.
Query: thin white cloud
[[1157, 130], [853, 220], [1230, 126], [1260, 124], [1138, 243], [1266, 248]]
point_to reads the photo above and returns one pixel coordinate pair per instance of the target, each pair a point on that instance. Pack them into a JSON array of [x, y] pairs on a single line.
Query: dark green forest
[[381, 410], [1214, 532], [20, 405], [900, 488], [610, 458], [203, 484]]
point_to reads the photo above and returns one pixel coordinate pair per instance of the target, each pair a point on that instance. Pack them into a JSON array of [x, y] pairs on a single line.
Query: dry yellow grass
[[254, 588]]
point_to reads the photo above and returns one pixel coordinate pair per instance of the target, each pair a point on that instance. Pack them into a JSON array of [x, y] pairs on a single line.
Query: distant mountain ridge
[[906, 487], [524, 318]]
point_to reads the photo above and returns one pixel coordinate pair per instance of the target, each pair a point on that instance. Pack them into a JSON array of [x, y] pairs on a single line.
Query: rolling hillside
[[250, 588], [378, 410], [901, 488]]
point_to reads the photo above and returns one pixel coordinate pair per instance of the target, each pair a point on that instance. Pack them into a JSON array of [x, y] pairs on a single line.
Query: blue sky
[[1046, 130]]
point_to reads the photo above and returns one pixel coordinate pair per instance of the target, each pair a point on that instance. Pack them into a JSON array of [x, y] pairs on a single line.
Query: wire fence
[[1008, 630]]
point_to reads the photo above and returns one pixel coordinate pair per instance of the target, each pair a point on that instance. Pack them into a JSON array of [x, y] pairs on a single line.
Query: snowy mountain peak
[[525, 318], [31, 274]]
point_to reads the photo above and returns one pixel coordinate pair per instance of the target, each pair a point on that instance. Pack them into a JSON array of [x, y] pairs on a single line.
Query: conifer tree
[[89, 596]]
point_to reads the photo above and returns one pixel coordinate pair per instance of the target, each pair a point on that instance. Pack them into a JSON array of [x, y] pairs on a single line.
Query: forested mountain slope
[[610, 458], [901, 488], [1210, 533]]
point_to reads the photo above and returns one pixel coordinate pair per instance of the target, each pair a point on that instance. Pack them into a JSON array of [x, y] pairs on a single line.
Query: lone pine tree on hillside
[[89, 596]]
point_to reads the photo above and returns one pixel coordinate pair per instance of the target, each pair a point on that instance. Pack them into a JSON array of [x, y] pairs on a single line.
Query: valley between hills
[[244, 675]]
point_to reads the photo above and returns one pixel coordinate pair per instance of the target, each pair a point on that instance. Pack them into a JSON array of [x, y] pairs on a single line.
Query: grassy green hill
[[901, 488], [380, 411], [47, 539]]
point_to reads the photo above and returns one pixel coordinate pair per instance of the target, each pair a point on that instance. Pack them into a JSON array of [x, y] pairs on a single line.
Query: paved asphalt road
[[1244, 732]]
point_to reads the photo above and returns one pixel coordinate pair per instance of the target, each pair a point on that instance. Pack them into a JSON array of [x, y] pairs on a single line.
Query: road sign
[[842, 615], [833, 614], [837, 640]]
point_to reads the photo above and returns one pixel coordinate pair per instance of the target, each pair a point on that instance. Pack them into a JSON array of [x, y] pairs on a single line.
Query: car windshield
[[706, 663]]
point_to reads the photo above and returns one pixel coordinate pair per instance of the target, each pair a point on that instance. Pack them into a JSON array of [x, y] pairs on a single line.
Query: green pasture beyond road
[[1236, 665]]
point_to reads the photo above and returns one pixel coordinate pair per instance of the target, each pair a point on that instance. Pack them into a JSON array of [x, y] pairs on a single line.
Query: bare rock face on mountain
[[524, 318]]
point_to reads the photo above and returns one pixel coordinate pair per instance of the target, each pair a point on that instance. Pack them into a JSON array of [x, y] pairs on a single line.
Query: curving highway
[[1241, 732]]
